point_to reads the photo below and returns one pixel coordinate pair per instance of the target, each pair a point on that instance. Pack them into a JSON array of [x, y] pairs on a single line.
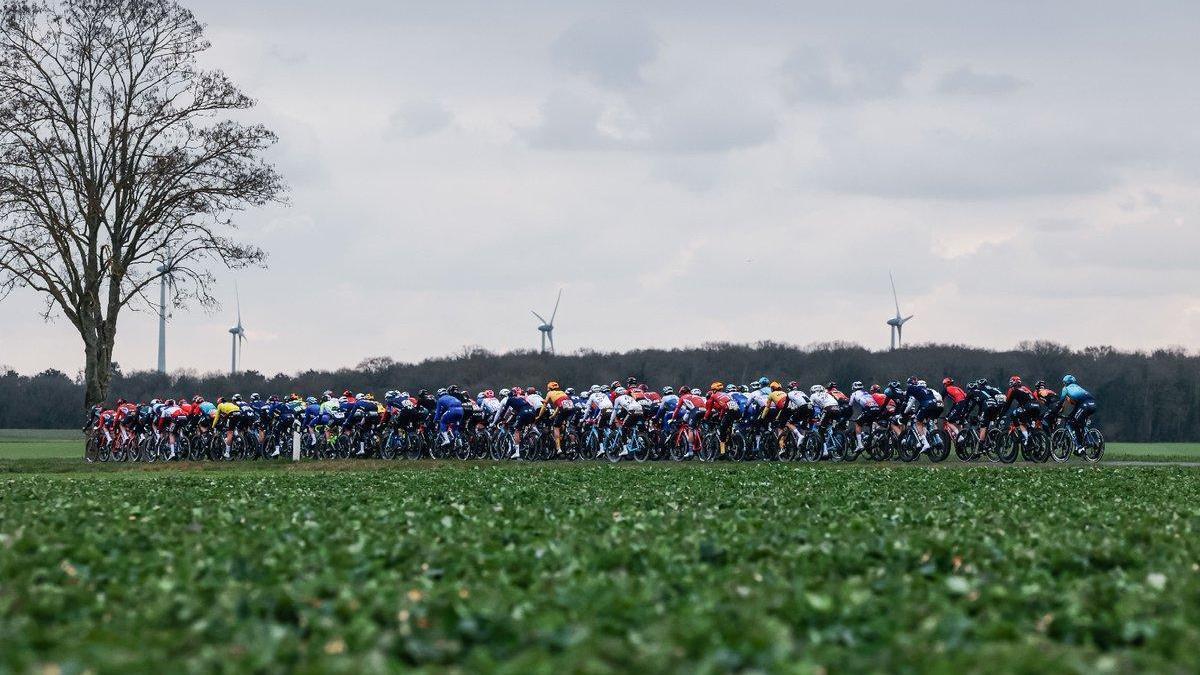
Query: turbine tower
[[237, 335], [547, 327], [167, 279], [897, 322]]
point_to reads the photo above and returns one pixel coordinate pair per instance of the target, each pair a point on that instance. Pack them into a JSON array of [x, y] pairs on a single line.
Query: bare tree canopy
[[115, 147]]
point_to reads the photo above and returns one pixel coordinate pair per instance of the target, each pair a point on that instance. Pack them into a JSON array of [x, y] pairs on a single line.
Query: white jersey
[[627, 403], [761, 397], [825, 400], [599, 401], [797, 400], [535, 400], [490, 406], [937, 395], [863, 400]]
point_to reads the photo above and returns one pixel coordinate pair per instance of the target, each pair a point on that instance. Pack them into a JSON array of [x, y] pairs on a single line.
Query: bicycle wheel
[[735, 447], [91, 449], [910, 448], [880, 449], [710, 447], [613, 443], [1007, 447], [640, 441], [966, 446], [939, 445], [1093, 445], [810, 446], [1038, 446], [106, 450], [1061, 444]]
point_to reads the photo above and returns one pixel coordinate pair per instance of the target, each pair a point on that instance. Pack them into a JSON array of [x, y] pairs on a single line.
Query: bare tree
[[115, 146]]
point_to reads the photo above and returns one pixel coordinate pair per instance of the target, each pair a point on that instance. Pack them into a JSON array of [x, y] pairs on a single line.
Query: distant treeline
[[1143, 396]]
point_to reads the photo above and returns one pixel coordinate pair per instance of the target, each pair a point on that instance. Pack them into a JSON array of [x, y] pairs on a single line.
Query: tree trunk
[[97, 371]]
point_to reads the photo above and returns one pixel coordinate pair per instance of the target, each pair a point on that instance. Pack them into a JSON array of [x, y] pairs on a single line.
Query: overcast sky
[[698, 171]]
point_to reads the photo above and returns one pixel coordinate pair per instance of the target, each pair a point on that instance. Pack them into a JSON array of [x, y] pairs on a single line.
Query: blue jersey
[[447, 404], [1076, 394], [312, 413], [517, 403], [208, 408], [923, 395]]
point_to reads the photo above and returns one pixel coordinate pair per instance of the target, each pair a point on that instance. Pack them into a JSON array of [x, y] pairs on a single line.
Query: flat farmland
[[598, 568]]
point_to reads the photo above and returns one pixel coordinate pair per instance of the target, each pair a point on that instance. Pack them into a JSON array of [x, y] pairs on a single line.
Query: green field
[[598, 568]]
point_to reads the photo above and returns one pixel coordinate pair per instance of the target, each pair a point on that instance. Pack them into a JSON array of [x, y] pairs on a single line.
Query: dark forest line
[[1144, 396]]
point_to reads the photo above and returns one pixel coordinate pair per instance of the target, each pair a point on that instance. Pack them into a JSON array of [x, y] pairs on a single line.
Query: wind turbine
[[897, 322], [167, 279], [547, 327], [237, 334]]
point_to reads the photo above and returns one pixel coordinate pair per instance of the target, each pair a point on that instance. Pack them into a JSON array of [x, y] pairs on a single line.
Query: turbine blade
[[238, 298], [894, 296], [555, 313], [539, 316], [550, 335], [907, 318]]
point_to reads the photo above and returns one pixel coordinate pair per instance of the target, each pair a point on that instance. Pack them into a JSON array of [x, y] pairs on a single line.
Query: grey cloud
[[862, 73], [951, 165], [569, 122], [610, 51], [419, 118], [967, 81]]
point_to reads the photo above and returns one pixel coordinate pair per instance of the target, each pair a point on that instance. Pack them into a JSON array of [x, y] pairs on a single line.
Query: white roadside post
[[295, 446]]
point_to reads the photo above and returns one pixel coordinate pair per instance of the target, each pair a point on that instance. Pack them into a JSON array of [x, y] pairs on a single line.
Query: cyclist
[[923, 402], [1083, 406], [666, 411], [690, 409], [559, 408], [1023, 404], [799, 410], [1050, 401], [515, 407], [447, 415], [864, 411], [826, 406], [627, 412], [958, 411], [225, 417]]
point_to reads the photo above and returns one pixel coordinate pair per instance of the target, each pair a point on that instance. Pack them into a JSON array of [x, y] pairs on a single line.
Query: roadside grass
[[68, 444]]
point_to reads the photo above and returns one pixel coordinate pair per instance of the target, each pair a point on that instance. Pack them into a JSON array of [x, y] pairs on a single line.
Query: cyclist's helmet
[[763, 382], [894, 384], [504, 393], [423, 392], [570, 391], [404, 394], [913, 379], [697, 392], [344, 399], [621, 391], [154, 401], [531, 390], [254, 396], [442, 392], [667, 391], [273, 399], [360, 395], [745, 389], [1041, 384], [831, 385], [922, 383], [876, 389], [311, 400], [605, 389], [517, 391], [327, 392], [856, 386], [453, 389], [793, 385], [816, 389], [983, 382], [237, 398], [631, 381], [325, 397], [552, 385], [488, 393], [614, 384], [1014, 381], [1069, 379], [716, 386], [775, 386], [947, 381], [220, 400], [197, 400]]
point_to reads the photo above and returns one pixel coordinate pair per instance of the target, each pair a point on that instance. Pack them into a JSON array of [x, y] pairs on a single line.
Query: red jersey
[[717, 403], [956, 393]]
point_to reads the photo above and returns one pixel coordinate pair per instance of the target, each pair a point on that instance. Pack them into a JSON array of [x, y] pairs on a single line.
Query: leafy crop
[[599, 568]]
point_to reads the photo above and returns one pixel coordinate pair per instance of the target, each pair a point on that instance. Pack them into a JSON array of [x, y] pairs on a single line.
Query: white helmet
[[816, 389], [621, 391], [504, 393]]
